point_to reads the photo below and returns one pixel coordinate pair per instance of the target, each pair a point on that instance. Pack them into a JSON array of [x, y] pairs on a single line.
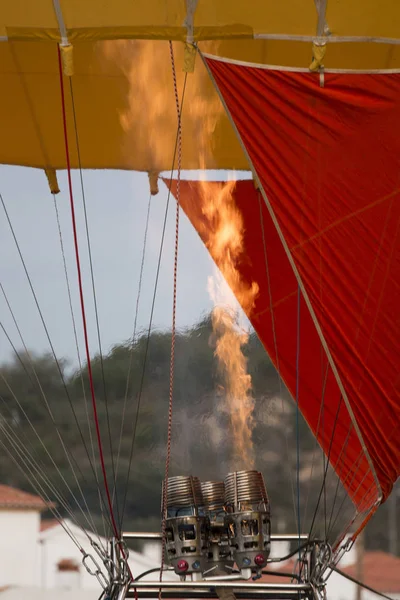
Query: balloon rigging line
[[94, 296], [327, 465], [82, 303], [173, 327], [14, 396], [40, 492], [271, 308], [41, 390], [355, 471], [324, 373], [316, 445], [132, 348], [297, 411], [57, 362], [43, 395], [39, 462], [39, 467], [139, 396], [94, 467], [353, 475], [73, 324], [341, 459], [368, 492]]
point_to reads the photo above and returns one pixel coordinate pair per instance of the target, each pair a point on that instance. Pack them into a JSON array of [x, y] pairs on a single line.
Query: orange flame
[[149, 120], [225, 243], [148, 117]]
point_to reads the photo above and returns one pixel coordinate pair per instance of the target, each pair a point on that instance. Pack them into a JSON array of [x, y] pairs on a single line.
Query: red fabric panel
[[346, 453], [328, 159]]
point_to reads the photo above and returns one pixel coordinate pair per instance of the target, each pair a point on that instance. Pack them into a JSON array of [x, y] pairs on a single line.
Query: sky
[[116, 206]]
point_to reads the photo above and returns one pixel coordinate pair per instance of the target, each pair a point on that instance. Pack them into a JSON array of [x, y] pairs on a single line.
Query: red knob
[[259, 560], [182, 565]]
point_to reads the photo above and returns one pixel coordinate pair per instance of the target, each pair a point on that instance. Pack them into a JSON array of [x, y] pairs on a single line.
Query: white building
[[19, 530], [37, 557]]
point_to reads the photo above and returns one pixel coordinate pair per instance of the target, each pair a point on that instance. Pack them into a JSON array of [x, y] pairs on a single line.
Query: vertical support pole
[[360, 548], [392, 522]]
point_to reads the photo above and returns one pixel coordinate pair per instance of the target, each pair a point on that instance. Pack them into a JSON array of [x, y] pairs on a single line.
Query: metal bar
[[200, 595], [321, 9], [138, 535], [197, 594], [290, 70], [146, 535], [233, 577], [235, 585], [331, 39]]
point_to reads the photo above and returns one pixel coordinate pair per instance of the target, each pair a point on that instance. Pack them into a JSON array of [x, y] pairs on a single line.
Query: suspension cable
[[298, 410], [40, 492], [56, 360], [68, 454], [82, 303], [74, 325], [33, 466], [18, 403], [96, 311], [94, 467], [132, 348], [327, 466]]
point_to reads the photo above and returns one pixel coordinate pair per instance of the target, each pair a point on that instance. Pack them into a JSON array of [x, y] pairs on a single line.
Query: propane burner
[[187, 527], [219, 555], [248, 519], [214, 524]]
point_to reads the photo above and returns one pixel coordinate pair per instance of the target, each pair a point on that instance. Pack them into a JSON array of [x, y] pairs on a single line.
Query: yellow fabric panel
[[379, 18], [114, 13], [27, 13], [260, 16], [125, 102], [125, 108]]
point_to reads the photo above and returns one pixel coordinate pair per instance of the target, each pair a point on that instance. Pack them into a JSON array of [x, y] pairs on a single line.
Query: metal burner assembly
[[212, 525], [187, 526], [248, 519]]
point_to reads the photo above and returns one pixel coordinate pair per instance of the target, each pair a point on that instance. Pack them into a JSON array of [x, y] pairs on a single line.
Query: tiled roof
[[381, 571], [13, 498]]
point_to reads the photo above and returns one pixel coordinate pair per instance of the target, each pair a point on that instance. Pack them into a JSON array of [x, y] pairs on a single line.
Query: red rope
[[86, 337]]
